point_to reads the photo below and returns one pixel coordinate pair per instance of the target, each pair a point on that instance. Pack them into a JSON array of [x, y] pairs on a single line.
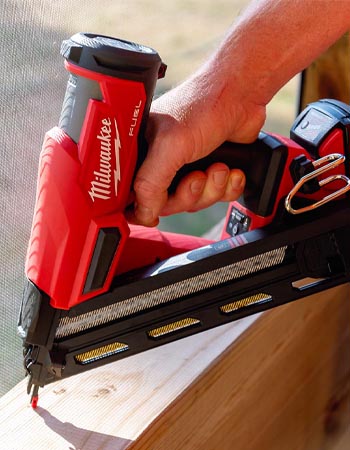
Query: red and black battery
[[320, 131]]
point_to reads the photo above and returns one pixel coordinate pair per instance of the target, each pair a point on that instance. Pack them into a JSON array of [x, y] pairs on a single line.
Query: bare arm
[[226, 100]]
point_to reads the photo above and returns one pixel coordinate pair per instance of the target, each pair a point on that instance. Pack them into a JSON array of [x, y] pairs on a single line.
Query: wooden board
[[328, 76], [275, 381]]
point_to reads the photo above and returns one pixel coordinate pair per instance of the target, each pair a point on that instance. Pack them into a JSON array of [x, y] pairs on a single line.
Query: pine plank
[[279, 380], [283, 385], [111, 406]]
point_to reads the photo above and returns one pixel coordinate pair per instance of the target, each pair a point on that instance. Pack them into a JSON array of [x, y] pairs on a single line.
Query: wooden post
[[328, 76]]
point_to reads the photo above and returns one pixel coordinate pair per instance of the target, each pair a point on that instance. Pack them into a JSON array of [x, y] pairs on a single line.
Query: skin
[[226, 99]]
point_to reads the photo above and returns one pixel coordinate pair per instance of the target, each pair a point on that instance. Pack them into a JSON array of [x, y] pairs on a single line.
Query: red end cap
[[34, 401]]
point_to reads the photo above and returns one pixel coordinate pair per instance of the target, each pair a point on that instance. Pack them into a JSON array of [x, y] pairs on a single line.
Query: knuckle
[[145, 187]]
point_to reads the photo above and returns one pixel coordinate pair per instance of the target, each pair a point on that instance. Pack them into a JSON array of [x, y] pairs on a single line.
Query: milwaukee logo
[[101, 185]]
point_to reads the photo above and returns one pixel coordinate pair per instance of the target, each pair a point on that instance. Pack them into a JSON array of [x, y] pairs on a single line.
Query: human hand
[[226, 100], [186, 124]]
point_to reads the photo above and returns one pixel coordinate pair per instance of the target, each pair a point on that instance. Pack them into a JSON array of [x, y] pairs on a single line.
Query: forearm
[[226, 100], [275, 39]]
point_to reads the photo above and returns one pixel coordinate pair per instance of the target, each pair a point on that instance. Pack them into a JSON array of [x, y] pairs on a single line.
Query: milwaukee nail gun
[[99, 290]]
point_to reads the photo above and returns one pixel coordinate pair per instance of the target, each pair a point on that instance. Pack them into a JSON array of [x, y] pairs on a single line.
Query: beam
[[277, 381], [328, 76]]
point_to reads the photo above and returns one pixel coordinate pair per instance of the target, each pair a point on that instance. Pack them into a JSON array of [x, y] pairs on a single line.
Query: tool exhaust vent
[[307, 283], [100, 353], [173, 327], [245, 302]]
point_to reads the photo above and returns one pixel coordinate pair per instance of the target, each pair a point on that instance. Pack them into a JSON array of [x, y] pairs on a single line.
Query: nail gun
[[99, 289]]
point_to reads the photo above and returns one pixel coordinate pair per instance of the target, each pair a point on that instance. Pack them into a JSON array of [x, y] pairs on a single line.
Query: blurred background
[[32, 86]]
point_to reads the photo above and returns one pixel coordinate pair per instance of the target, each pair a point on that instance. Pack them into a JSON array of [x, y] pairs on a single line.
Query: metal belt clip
[[321, 165]]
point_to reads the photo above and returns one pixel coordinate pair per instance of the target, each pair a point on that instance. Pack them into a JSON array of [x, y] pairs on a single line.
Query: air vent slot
[[100, 353], [307, 283], [256, 299], [174, 327]]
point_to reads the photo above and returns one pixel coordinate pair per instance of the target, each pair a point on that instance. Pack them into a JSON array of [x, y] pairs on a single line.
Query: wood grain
[[283, 385], [275, 381], [111, 406]]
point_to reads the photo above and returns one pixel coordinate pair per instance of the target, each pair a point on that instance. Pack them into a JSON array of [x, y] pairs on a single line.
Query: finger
[[215, 186], [235, 186], [221, 185], [200, 190], [187, 194]]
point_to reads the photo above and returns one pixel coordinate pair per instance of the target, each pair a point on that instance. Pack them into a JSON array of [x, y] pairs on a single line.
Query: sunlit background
[[32, 86]]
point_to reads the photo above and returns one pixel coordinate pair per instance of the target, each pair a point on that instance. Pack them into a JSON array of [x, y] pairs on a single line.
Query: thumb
[[150, 187], [168, 152]]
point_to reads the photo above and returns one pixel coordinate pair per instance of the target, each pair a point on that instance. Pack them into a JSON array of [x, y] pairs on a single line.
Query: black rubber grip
[[262, 162]]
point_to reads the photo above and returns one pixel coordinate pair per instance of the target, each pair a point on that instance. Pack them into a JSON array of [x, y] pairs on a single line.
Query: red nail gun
[[99, 290]]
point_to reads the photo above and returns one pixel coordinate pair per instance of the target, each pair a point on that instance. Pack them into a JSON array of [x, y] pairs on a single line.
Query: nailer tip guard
[[99, 289]]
